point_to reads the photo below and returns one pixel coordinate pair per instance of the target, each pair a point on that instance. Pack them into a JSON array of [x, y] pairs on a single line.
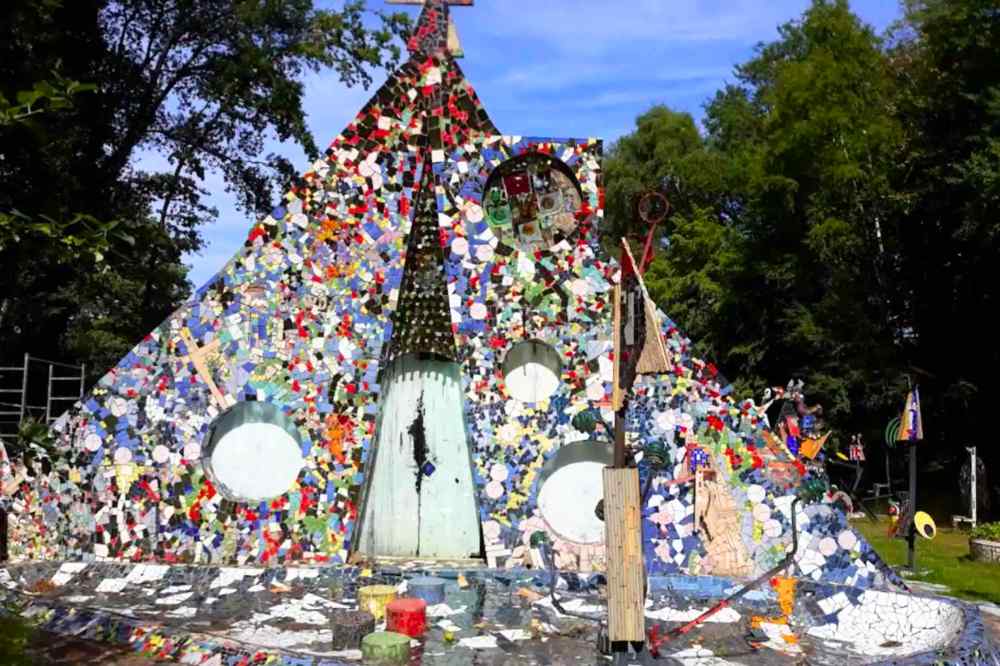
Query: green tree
[[702, 255], [81, 233], [814, 146], [944, 57], [782, 254], [199, 82]]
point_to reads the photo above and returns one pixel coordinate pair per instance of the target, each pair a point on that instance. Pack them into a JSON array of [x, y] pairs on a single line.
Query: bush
[[988, 531]]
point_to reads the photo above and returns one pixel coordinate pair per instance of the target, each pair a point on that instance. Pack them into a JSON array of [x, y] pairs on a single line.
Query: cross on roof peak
[[435, 31], [461, 3]]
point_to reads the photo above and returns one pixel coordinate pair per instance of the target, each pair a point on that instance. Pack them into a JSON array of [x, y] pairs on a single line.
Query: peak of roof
[[435, 33]]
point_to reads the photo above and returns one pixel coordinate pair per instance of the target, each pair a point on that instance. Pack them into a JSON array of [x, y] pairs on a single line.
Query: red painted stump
[[407, 616]]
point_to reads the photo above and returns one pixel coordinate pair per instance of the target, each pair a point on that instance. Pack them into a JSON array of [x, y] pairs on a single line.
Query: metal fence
[[21, 398]]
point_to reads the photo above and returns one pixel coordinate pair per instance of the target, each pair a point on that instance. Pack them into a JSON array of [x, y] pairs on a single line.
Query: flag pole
[[912, 432]]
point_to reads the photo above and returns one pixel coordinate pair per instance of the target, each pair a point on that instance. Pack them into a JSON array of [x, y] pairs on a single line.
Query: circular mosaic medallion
[[531, 201]]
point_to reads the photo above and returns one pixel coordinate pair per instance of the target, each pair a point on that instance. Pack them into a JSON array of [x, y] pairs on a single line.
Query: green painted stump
[[386, 647]]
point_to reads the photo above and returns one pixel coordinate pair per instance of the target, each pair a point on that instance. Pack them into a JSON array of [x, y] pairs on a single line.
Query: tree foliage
[[199, 83], [836, 218]]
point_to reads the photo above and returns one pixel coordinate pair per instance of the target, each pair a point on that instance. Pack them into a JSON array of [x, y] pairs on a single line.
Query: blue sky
[[580, 68]]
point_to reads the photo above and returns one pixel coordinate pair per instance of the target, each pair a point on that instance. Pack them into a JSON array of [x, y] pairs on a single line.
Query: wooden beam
[[197, 357], [623, 540]]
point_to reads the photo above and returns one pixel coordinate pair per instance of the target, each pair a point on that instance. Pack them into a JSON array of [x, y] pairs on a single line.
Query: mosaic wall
[[299, 318]]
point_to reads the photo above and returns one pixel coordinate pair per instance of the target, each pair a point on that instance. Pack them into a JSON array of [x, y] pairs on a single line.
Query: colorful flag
[[912, 423]]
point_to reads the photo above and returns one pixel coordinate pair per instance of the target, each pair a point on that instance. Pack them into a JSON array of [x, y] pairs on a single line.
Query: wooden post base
[[623, 539]]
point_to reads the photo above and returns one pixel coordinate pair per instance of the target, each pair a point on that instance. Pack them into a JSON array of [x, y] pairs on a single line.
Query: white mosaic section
[[888, 624]]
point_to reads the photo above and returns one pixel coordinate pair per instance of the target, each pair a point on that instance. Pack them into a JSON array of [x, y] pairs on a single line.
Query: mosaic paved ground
[[208, 615]]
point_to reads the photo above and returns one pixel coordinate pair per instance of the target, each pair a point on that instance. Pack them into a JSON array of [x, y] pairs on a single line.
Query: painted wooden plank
[[197, 356], [420, 499], [617, 395], [624, 547]]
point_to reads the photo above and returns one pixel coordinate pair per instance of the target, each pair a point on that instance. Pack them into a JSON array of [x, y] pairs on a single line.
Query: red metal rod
[[655, 641], [647, 251]]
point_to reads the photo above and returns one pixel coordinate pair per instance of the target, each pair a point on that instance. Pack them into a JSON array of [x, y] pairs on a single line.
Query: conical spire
[[422, 321]]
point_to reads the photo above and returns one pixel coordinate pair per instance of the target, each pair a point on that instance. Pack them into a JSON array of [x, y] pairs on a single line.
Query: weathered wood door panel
[[420, 497]]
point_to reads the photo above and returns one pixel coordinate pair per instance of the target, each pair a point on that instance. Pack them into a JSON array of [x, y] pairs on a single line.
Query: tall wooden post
[[639, 349], [622, 518], [623, 537]]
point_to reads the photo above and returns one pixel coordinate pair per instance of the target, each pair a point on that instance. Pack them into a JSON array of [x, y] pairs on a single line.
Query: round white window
[[531, 371], [571, 486], [253, 452]]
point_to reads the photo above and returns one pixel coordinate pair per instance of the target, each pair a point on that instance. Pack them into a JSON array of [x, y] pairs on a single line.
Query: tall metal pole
[[24, 390], [48, 398], [911, 535], [888, 473], [972, 494]]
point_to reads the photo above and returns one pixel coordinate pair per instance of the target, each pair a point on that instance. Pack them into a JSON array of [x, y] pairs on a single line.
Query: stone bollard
[[349, 627]]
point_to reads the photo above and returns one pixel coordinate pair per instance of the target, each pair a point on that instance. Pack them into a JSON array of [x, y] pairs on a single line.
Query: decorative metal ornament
[[653, 207]]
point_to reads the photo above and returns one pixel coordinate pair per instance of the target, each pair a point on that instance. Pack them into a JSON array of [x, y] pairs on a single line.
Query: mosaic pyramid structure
[[300, 323]]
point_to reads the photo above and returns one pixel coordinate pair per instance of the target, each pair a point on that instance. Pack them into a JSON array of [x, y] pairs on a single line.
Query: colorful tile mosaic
[[301, 316]]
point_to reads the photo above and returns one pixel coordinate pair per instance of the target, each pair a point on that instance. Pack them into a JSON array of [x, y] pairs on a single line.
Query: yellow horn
[[924, 524]]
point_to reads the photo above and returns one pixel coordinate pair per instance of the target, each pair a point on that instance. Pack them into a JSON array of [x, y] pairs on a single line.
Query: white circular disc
[[847, 539], [568, 498], [257, 461], [92, 442], [478, 310], [762, 512], [484, 252], [532, 371], [772, 529]]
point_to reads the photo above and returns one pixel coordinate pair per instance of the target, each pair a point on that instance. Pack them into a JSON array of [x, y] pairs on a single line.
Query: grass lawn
[[14, 638], [943, 560]]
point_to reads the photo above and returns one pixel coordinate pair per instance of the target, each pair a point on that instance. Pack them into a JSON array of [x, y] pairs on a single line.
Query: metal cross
[[460, 3]]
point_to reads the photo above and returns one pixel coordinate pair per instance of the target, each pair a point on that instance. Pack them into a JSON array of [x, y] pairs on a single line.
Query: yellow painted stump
[[373, 598]]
